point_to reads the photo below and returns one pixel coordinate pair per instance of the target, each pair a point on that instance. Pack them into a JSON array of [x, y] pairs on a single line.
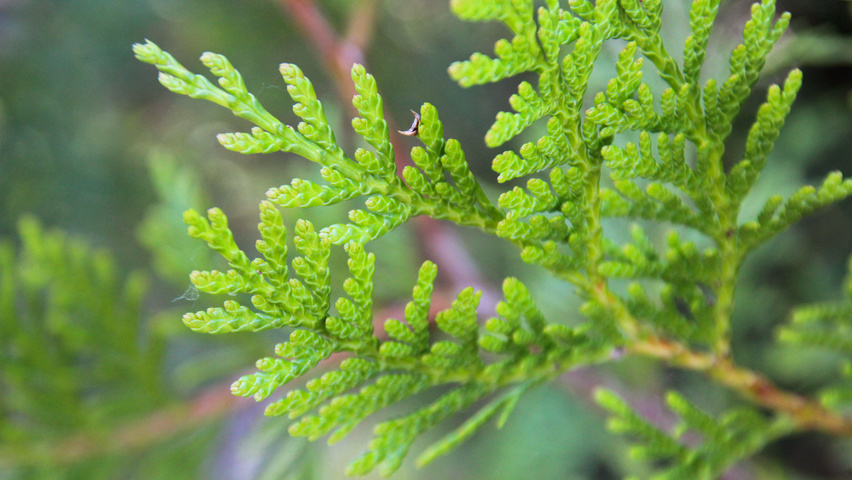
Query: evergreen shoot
[[628, 152]]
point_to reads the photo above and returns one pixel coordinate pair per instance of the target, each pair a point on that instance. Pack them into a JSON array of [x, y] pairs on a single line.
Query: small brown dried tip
[[412, 130]]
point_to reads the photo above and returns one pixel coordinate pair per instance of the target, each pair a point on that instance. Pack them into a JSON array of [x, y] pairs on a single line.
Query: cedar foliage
[[670, 170]]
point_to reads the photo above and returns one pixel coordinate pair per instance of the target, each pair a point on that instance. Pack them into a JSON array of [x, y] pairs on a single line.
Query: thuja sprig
[[826, 326], [75, 375], [555, 220], [444, 188], [384, 368], [737, 435]]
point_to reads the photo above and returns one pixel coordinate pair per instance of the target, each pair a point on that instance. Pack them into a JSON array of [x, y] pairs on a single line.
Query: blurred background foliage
[[92, 145]]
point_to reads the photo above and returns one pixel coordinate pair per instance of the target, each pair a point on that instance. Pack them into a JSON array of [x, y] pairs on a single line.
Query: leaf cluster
[[385, 367], [583, 170], [73, 362], [721, 443]]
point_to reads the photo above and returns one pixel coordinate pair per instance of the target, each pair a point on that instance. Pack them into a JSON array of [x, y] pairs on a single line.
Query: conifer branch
[[806, 414], [555, 218]]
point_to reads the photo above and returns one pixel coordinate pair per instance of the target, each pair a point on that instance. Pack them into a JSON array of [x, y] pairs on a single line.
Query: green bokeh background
[[91, 144]]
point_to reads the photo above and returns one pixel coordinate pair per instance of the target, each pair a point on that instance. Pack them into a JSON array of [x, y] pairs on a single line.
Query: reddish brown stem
[[338, 54], [208, 406]]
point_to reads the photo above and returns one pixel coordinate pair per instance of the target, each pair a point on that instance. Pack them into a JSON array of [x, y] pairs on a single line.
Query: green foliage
[[826, 326], [678, 307], [737, 435], [178, 188], [388, 369], [70, 350]]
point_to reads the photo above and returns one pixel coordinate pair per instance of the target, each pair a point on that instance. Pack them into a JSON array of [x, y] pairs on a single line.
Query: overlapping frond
[[72, 362], [673, 174], [441, 186], [735, 436], [826, 326], [379, 371], [779, 214]]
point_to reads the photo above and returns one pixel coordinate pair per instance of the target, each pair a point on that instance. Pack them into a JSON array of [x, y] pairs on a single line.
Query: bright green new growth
[[402, 365], [555, 221]]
